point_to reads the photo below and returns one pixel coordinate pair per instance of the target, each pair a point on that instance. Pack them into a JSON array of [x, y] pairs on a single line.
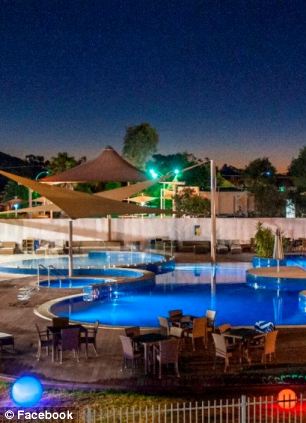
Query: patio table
[[56, 335], [243, 336], [148, 340]]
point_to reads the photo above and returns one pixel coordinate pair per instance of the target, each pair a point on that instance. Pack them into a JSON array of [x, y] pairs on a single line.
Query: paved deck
[[290, 272]]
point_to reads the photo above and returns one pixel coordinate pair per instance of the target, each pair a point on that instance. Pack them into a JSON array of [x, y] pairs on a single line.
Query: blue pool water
[[72, 283], [85, 264], [189, 288]]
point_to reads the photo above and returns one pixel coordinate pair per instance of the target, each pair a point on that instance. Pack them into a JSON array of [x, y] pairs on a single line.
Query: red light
[[287, 399]]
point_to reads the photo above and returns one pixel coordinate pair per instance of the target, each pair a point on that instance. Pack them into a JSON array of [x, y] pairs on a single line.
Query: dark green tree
[[13, 190], [62, 162], [188, 202], [297, 170], [260, 179], [140, 142]]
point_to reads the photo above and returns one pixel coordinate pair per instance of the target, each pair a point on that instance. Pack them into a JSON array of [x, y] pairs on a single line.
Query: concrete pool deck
[[288, 272], [196, 367]]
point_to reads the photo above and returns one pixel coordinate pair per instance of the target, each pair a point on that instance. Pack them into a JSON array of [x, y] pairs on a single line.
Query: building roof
[[109, 166]]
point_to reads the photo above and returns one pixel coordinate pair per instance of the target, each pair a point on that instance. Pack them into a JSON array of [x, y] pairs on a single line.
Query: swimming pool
[[189, 288], [93, 263]]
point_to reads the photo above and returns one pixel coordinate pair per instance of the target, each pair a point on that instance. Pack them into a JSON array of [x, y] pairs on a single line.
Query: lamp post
[[39, 175]]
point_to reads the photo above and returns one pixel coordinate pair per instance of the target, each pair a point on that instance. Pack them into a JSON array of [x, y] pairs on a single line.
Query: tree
[[140, 142], [62, 162], [260, 180], [188, 202], [198, 176], [297, 170], [13, 190]]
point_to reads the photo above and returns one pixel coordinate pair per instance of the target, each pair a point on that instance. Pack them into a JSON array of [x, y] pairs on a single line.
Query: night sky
[[223, 79]]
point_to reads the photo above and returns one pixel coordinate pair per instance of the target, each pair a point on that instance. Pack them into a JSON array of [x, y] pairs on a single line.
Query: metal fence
[[241, 410]]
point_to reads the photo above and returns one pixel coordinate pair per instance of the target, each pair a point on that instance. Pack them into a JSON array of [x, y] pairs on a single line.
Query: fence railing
[[239, 410]]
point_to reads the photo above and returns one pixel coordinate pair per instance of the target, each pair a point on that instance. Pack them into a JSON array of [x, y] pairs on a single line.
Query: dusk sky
[[223, 79]]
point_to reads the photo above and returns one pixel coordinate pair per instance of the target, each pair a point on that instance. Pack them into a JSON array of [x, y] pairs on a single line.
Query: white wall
[[181, 229]]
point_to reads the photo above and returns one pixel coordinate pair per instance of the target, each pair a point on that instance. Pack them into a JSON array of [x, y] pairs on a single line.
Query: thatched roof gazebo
[[109, 166]]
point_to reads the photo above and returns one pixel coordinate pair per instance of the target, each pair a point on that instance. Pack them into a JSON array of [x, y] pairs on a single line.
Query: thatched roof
[[109, 166]]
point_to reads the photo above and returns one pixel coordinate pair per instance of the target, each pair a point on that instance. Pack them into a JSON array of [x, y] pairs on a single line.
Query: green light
[[282, 188], [176, 171], [153, 173]]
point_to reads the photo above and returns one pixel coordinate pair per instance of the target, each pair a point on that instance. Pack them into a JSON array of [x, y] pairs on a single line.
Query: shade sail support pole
[[213, 235], [109, 227], [70, 250]]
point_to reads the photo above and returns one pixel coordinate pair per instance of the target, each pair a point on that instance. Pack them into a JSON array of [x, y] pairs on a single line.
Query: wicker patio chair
[[129, 352], [198, 331], [43, 341], [166, 353], [69, 341]]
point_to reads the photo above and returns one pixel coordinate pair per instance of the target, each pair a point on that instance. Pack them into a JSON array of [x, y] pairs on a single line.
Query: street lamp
[[39, 175]]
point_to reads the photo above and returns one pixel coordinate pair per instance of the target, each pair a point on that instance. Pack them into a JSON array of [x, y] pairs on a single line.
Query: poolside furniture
[[266, 346], [167, 352], [69, 341], [89, 337], [8, 247], [175, 316], [55, 333], [242, 337], [83, 247], [198, 331], [236, 247], [225, 327], [222, 247], [60, 322], [222, 350], [44, 341], [211, 317], [148, 340], [129, 352], [132, 331], [164, 325], [6, 339], [25, 293]]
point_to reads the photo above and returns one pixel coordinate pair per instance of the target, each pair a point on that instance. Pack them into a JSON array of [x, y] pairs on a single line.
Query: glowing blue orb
[[26, 391]]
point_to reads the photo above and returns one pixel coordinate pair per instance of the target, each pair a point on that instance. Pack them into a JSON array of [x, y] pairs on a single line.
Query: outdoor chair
[[132, 331], [90, 338], [69, 341], [129, 352], [222, 350], [211, 317], [223, 328], [177, 333], [175, 314], [43, 341], [198, 331], [164, 325], [166, 353], [266, 345], [60, 322]]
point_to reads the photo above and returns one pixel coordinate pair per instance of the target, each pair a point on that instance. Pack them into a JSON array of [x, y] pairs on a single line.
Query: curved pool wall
[[289, 260], [275, 284], [74, 283], [95, 263]]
